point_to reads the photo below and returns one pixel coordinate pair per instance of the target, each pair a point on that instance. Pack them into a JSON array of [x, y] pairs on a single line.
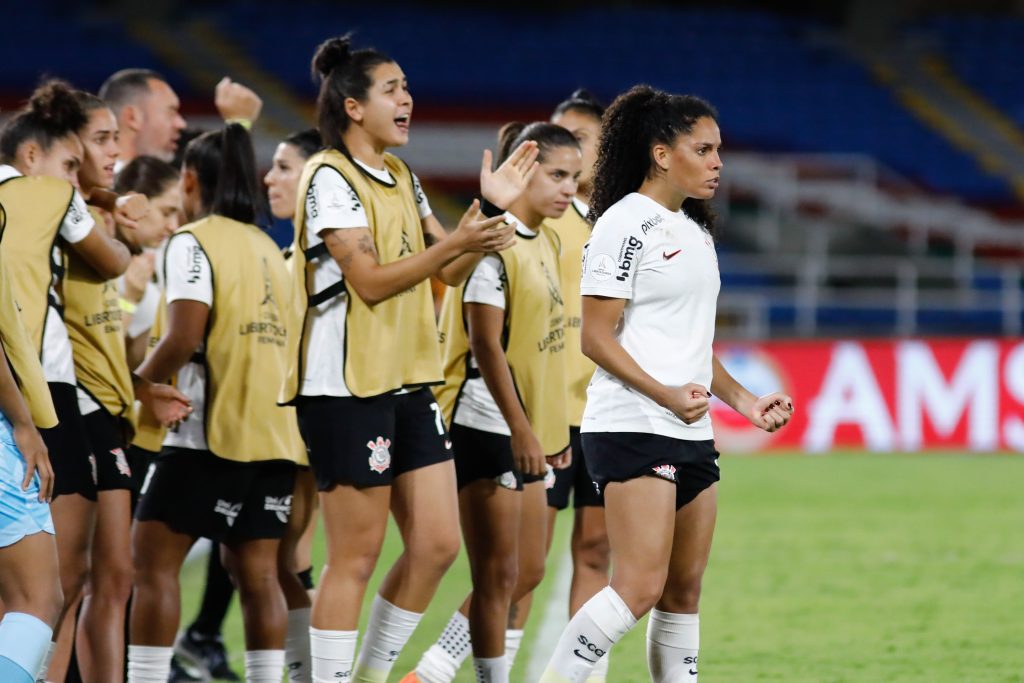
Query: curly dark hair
[[52, 113], [636, 121]]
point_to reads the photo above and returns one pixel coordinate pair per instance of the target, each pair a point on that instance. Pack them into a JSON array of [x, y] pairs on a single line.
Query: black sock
[[306, 577]]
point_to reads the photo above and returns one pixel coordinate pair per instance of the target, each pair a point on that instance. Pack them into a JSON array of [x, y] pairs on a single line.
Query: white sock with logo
[[513, 639], [148, 664], [387, 632], [672, 644], [598, 625], [296, 646], [332, 654], [491, 669], [264, 666], [441, 662]]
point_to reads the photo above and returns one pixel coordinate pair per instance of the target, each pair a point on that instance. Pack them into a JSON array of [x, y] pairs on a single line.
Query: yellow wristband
[[244, 123], [127, 306]]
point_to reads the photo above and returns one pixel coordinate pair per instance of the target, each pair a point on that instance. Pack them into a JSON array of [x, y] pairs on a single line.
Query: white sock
[[148, 664], [387, 632], [513, 639], [600, 672], [41, 675], [296, 646], [672, 644], [441, 662], [264, 666], [332, 654], [24, 641], [602, 621], [491, 669]]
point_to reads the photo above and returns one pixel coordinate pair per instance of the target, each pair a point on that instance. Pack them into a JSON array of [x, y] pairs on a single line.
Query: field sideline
[[826, 569]]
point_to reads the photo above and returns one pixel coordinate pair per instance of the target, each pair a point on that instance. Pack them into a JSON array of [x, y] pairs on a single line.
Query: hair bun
[[331, 54], [583, 95], [56, 105]]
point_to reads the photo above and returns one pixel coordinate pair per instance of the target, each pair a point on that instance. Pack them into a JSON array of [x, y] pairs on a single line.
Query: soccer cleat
[[206, 654], [410, 677], [183, 674]]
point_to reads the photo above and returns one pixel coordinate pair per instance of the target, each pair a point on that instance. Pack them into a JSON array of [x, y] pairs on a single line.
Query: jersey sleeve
[[610, 260], [486, 285], [189, 275], [332, 203], [78, 222], [422, 205]]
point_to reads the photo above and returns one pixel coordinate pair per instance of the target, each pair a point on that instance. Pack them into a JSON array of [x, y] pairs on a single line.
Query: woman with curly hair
[[650, 288]]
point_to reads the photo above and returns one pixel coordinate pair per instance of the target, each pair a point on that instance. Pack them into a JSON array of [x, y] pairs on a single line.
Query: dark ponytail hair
[[548, 136], [308, 142], [146, 175], [636, 121], [583, 102], [53, 112], [342, 73], [225, 166]]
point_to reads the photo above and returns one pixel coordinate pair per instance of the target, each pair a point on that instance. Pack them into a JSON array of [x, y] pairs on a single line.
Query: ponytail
[[225, 166]]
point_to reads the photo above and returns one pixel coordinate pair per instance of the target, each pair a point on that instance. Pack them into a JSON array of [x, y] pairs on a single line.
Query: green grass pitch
[[826, 569]]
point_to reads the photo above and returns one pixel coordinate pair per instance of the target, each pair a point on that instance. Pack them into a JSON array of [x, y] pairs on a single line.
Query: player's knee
[[531, 573], [434, 550], [113, 583], [73, 577], [590, 550], [496, 577], [681, 594], [640, 590], [355, 566]]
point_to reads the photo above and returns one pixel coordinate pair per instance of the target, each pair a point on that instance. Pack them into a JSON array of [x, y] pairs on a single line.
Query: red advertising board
[[884, 395]]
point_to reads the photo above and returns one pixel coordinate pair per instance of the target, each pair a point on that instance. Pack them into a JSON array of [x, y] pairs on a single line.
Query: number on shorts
[[438, 418]]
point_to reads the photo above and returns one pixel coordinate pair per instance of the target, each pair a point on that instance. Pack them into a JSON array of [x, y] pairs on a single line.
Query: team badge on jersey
[[121, 462], [665, 472], [507, 480], [380, 456]]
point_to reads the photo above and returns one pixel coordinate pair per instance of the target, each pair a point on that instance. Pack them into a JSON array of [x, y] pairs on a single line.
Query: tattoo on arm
[[367, 247], [338, 241]]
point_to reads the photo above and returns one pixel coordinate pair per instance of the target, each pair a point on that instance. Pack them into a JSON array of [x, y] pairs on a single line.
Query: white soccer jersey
[[665, 266]]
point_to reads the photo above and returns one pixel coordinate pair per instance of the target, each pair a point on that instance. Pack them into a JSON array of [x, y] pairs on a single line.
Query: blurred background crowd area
[[874, 160]]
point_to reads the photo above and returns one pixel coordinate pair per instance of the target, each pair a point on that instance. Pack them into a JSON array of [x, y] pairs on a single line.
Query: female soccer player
[[650, 286], [45, 215], [29, 580], [201, 642], [581, 115], [366, 242], [227, 473], [505, 398], [92, 312], [158, 182]]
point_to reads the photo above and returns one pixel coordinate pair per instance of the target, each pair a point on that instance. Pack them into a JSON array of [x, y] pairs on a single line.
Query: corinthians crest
[[380, 456]]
